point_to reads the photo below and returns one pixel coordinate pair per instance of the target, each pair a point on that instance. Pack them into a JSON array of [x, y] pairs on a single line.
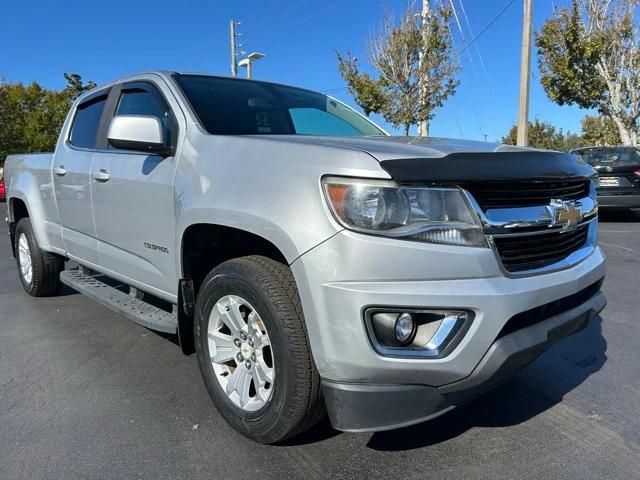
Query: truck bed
[[38, 164], [31, 161]]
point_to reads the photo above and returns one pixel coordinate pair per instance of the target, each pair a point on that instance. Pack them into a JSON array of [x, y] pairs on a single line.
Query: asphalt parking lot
[[85, 393]]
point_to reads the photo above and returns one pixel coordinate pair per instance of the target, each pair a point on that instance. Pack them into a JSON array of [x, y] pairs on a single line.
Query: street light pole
[[525, 77], [248, 62]]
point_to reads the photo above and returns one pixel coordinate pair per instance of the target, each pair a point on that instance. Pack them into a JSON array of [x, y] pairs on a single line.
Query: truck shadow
[[537, 388], [532, 391], [65, 291]]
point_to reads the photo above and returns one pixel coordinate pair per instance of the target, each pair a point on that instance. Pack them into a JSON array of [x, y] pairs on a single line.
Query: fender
[[30, 182]]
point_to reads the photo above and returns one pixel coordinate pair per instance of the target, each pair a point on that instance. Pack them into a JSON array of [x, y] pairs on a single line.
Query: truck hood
[[392, 148], [415, 159]]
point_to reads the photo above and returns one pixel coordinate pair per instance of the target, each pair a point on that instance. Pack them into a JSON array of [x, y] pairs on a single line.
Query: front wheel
[[39, 270], [253, 350]]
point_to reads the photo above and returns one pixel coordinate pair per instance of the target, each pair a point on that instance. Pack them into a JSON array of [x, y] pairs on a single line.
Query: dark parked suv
[[618, 174]]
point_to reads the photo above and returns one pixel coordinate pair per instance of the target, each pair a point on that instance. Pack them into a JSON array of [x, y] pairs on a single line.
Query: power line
[[482, 65], [298, 21], [282, 13], [465, 47], [463, 39], [317, 12], [489, 25]]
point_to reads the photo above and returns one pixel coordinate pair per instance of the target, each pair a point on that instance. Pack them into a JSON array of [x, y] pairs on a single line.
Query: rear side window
[[85, 124]]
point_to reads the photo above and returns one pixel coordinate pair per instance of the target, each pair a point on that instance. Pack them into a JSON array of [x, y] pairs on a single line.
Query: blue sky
[[101, 41]]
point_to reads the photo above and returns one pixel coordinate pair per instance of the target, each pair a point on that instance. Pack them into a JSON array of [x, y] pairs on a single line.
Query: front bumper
[[619, 201], [343, 276], [367, 407]]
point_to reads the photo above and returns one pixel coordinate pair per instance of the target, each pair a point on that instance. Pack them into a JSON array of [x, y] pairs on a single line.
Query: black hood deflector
[[489, 166]]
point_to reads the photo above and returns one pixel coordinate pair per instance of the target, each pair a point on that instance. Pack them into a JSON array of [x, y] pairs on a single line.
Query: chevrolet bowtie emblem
[[565, 214]]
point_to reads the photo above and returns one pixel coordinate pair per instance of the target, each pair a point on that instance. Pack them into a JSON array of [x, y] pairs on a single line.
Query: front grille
[[548, 310], [530, 251], [525, 194]]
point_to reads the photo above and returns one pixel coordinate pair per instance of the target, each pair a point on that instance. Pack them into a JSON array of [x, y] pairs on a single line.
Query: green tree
[[33, 116], [589, 55], [367, 92], [600, 130], [416, 68], [545, 135], [573, 140]]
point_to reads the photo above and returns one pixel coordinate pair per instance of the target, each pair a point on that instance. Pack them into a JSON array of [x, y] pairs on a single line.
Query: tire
[[294, 402], [45, 267]]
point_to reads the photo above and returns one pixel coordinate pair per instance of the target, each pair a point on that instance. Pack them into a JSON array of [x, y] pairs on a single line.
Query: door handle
[[101, 175], [60, 171]]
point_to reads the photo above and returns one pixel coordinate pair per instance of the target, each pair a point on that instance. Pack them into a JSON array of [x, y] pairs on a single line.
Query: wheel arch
[[29, 195], [17, 211], [203, 246]]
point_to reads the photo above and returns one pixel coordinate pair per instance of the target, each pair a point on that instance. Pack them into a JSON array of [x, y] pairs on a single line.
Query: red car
[[3, 195]]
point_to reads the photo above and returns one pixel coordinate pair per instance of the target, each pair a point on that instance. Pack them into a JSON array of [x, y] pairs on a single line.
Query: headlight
[[430, 214]]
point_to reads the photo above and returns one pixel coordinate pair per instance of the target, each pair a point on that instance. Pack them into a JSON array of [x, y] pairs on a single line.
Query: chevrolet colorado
[[311, 261]]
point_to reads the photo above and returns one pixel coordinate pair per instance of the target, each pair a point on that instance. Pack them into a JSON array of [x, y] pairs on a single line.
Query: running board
[[126, 304]]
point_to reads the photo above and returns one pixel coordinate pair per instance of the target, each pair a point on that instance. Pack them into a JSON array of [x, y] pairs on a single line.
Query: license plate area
[[612, 182]]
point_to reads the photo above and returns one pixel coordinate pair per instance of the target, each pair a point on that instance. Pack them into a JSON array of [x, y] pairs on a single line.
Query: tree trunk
[[406, 129], [627, 136]]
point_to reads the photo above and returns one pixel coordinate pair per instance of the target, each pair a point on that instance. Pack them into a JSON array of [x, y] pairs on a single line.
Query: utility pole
[[234, 63], [525, 77], [423, 127]]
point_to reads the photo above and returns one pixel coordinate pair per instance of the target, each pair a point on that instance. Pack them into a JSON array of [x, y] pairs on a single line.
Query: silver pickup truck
[[313, 263]]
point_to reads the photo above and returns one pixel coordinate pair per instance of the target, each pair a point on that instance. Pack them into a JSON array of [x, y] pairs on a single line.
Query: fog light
[[405, 327], [416, 332]]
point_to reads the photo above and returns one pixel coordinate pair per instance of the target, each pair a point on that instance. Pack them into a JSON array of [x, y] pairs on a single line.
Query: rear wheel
[[253, 350], [39, 271]]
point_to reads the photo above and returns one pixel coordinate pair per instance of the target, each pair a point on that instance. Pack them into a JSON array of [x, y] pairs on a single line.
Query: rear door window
[[86, 121]]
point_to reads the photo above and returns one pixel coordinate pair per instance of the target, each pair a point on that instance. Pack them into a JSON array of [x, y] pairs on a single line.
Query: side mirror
[[138, 132]]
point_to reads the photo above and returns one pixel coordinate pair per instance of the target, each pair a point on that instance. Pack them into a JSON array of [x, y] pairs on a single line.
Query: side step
[[126, 304]]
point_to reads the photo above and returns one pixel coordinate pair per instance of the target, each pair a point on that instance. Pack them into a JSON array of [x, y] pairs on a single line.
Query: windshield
[[227, 106], [597, 156]]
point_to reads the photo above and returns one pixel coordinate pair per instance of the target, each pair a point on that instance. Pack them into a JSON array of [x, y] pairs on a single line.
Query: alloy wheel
[[24, 257], [240, 352]]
